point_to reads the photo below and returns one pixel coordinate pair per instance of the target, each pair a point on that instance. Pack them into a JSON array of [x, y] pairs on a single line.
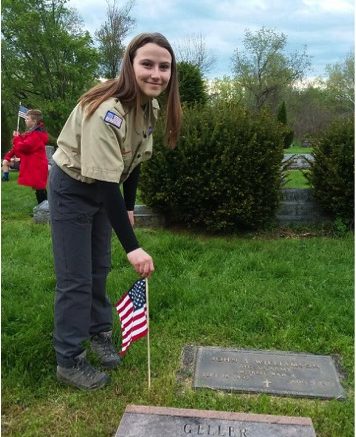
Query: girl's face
[[30, 122], [152, 67]]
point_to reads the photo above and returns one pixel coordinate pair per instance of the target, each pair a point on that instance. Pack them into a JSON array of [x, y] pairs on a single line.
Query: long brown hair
[[125, 87]]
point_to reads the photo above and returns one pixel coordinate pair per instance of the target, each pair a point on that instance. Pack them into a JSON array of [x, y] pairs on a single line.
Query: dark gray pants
[[81, 238]]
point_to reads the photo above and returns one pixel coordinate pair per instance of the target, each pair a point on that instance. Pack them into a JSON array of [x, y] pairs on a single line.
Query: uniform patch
[[114, 119]]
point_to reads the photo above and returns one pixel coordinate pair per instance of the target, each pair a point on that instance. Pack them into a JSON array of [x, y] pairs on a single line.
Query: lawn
[[255, 291], [298, 148], [296, 179]]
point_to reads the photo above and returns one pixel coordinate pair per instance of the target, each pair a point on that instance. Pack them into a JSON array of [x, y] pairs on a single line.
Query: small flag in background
[[22, 111], [132, 311]]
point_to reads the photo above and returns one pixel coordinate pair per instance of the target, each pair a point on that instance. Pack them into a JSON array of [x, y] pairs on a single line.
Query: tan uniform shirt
[[108, 145]]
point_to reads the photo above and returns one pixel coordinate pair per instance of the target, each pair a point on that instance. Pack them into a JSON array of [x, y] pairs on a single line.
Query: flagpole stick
[[18, 119], [148, 337]]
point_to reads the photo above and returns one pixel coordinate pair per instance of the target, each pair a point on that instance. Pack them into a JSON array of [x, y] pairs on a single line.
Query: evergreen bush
[[225, 173], [332, 171], [191, 84], [282, 118]]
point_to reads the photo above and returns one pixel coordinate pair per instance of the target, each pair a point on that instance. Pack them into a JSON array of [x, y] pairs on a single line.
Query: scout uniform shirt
[[108, 145]]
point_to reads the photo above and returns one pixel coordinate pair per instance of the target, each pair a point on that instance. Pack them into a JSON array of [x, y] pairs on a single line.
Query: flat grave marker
[[274, 372], [146, 421]]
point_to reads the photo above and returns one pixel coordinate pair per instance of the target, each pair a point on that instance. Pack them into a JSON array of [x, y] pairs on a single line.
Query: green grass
[[296, 179], [254, 291], [298, 150]]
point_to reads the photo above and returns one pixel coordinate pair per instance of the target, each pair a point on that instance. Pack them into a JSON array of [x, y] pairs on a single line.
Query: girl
[[30, 149], [106, 137]]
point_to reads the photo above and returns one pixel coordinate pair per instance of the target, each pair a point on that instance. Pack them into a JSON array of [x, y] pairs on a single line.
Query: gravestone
[[298, 206], [274, 372], [298, 161], [146, 421], [41, 212], [145, 216], [49, 153]]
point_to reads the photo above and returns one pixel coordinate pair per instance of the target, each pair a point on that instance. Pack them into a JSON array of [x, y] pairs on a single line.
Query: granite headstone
[[146, 421], [274, 372]]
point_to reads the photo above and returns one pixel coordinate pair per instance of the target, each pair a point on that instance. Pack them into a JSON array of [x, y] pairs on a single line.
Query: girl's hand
[[15, 133], [141, 262], [131, 218]]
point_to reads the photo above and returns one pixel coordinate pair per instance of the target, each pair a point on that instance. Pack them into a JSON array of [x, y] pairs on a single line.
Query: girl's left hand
[[15, 133], [131, 218]]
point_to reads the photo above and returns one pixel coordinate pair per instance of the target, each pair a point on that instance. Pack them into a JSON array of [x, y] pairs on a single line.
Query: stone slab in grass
[[147, 421], [259, 371]]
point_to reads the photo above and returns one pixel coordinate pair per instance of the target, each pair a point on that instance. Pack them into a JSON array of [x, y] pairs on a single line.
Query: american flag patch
[[112, 118]]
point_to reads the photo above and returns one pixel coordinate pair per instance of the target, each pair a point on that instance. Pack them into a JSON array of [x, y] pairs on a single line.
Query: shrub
[[282, 118], [332, 172], [225, 173], [191, 84]]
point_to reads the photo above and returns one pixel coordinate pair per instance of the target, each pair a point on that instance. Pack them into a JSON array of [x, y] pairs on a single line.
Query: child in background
[[30, 149]]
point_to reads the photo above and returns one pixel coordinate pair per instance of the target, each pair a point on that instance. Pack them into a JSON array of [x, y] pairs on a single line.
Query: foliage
[[263, 69], [226, 89], [191, 85], [341, 83], [47, 60], [225, 173], [282, 113], [310, 110], [192, 50], [332, 172], [111, 37], [282, 118], [6, 133]]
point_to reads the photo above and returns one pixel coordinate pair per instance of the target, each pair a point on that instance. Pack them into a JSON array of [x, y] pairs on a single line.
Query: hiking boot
[[82, 375], [102, 345]]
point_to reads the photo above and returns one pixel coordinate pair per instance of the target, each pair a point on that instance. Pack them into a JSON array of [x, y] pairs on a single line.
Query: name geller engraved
[[215, 430]]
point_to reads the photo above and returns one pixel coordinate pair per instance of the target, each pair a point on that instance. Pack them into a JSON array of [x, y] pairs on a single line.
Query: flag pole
[[148, 337], [18, 118]]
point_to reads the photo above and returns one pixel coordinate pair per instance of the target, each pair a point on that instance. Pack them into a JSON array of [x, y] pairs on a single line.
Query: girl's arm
[[24, 144], [116, 210], [130, 188]]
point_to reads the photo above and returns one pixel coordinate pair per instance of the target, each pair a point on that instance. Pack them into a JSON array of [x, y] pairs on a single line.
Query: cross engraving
[[267, 383]]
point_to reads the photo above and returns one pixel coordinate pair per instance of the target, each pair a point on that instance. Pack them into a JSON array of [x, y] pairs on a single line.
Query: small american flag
[[132, 311], [22, 111]]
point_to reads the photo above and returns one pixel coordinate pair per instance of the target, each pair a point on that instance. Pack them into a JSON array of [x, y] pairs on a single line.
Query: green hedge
[[332, 172], [225, 173]]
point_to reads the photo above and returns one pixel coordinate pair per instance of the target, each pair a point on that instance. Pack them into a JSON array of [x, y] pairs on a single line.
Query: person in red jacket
[[30, 148]]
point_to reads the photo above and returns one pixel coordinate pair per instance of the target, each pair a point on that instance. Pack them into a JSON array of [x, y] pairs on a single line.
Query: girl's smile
[[152, 68]]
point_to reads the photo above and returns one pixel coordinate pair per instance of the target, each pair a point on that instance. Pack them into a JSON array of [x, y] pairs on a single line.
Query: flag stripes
[[22, 111], [132, 311]]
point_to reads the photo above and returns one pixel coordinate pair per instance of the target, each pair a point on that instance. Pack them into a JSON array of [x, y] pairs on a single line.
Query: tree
[[6, 133], [341, 82], [48, 60], [282, 113], [191, 84], [192, 50], [282, 118], [111, 36], [225, 89], [263, 69]]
